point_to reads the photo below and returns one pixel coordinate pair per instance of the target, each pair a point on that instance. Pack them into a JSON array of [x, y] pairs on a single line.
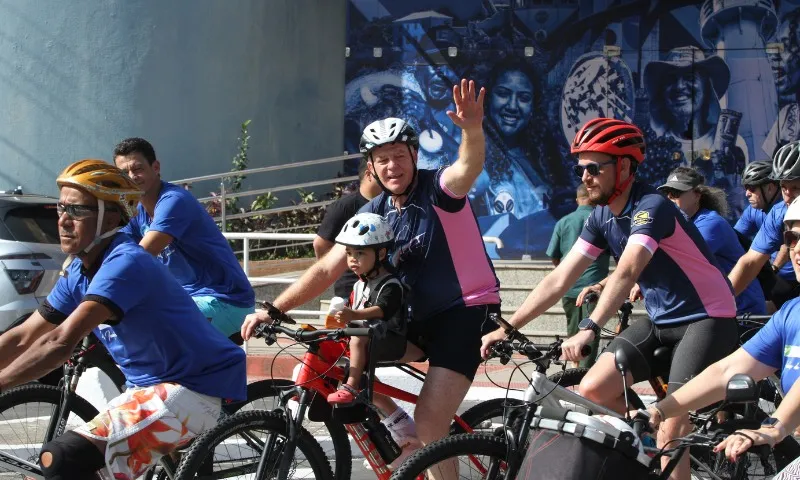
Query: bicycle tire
[[482, 444], [272, 422], [484, 411], [43, 394], [340, 441]]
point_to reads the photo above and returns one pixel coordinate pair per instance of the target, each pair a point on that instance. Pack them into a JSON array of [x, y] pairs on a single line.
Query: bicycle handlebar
[[301, 335], [504, 348]]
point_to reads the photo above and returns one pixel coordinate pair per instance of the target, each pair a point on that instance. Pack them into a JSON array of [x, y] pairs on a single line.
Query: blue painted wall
[[183, 74]]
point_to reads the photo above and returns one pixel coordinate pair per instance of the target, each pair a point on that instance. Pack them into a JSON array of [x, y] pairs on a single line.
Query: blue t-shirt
[[438, 250], [198, 256], [749, 225], [724, 244], [158, 334], [770, 238], [682, 281], [777, 344]]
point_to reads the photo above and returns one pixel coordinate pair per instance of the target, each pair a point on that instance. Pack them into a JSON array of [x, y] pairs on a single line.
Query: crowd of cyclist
[[158, 284]]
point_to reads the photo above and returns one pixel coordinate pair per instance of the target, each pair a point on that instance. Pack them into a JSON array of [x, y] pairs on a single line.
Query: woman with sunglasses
[[775, 347], [706, 206]]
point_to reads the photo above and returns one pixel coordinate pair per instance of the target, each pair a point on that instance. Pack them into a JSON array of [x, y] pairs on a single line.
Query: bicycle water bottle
[[382, 438], [336, 306]]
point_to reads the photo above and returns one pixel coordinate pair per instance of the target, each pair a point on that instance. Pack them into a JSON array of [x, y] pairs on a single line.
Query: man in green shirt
[[564, 236]]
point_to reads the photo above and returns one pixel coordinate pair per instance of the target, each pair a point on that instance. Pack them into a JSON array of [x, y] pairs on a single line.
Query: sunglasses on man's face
[[790, 238], [593, 168], [76, 211]]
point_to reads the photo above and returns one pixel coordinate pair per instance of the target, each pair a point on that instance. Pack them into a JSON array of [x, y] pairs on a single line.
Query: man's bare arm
[[746, 270], [315, 280], [54, 348], [618, 285], [15, 341], [322, 246]]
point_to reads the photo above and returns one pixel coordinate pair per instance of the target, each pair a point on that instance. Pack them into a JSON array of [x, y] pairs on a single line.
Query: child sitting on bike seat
[[378, 296]]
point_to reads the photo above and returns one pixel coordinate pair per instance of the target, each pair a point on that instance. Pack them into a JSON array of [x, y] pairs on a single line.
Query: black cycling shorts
[[452, 339], [695, 346], [784, 290]]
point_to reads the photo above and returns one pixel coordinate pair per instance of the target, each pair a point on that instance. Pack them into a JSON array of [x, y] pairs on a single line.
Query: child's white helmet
[[366, 230]]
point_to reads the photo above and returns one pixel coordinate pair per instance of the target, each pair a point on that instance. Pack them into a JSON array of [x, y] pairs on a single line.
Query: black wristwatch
[[775, 268], [588, 324]]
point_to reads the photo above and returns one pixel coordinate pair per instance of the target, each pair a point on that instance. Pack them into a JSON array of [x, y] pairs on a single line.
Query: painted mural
[[713, 84]]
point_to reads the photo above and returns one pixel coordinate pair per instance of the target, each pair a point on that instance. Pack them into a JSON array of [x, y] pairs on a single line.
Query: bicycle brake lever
[[276, 314]]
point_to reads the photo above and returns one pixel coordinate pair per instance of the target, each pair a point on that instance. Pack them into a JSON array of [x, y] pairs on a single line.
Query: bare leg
[[358, 360], [603, 384], [385, 404], [438, 402]]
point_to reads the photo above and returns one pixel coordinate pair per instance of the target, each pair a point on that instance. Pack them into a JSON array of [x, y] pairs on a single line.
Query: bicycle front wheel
[[25, 414], [235, 446], [470, 455]]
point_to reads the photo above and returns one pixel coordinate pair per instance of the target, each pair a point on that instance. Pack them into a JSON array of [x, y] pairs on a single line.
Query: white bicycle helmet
[[366, 230], [386, 131], [792, 213]]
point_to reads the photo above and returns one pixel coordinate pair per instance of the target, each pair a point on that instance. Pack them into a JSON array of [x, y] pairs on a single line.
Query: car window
[[31, 223]]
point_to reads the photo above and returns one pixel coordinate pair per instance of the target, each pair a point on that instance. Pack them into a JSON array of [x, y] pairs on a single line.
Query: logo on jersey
[[641, 218]]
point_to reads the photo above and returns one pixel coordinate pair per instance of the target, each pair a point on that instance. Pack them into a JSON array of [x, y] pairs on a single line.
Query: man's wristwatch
[[588, 324]]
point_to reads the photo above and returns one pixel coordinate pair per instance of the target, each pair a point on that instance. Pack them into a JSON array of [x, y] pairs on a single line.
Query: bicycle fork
[[294, 421]]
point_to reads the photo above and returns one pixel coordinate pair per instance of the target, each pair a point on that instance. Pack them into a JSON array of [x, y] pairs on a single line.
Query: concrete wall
[[77, 77]]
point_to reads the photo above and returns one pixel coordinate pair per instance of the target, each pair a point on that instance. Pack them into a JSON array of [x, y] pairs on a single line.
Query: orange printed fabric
[[144, 424]]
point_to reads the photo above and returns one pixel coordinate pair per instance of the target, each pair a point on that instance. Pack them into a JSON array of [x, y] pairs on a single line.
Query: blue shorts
[[226, 317]]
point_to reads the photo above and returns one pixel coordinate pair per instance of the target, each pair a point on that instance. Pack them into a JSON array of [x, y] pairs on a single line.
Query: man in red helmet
[[687, 296]]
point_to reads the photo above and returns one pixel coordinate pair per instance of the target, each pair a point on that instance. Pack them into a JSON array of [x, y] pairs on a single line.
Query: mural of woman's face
[[511, 102], [684, 93], [786, 65]]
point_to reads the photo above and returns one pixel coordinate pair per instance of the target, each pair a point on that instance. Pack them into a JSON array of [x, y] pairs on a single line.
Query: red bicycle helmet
[[612, 137]]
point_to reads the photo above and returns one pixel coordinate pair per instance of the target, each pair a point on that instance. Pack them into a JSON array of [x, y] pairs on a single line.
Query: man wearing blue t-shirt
[[178, 367], [173, 226], [786, 171]]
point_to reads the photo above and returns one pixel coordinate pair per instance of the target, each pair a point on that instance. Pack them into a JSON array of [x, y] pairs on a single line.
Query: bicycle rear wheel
[[25, 413], [475, 455], [250, 434]]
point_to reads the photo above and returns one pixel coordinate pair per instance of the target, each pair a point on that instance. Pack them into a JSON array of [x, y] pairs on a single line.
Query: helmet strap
[[769, 202], [619, 187], [99, 236]]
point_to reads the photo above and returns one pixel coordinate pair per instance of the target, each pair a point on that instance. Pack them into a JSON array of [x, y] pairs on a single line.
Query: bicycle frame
[[319, 374]]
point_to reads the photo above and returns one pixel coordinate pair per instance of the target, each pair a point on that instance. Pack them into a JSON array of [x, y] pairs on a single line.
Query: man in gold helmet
[[177, 365]]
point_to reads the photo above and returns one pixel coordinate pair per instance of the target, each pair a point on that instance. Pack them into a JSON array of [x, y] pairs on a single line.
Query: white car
[[30, 254]]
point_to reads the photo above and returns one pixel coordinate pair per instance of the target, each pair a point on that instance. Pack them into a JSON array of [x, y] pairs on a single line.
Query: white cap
[[792, 213]]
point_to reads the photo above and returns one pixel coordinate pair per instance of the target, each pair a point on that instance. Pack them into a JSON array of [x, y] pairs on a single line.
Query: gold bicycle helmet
[[105, 182]]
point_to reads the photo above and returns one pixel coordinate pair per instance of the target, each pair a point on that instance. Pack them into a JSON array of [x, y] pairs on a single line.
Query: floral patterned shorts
[[144, 424]]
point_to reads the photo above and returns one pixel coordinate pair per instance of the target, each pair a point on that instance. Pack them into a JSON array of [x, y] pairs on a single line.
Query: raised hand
[[469, 109]]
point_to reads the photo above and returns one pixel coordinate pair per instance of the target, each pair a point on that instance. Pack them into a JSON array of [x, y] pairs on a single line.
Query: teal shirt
[[566, 233]]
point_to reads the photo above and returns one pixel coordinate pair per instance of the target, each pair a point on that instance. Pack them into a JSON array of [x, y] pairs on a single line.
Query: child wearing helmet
[[378, 296]]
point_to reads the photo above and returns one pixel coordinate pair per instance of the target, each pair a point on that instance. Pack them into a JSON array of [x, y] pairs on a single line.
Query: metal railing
[[247, 237], [225, 195]]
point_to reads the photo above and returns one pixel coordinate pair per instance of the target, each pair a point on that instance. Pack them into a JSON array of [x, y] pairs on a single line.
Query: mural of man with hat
[[684, 91], [786, 69]]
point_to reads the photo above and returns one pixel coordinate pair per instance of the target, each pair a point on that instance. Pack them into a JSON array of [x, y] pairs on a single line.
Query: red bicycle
[[276, 443]]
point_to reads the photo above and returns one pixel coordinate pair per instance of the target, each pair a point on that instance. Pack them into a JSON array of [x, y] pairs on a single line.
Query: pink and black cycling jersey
[[438, 251], [683, 281]]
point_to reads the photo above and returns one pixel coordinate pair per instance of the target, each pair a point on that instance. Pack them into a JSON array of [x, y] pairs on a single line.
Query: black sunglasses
[[790, 238], [76, 211], [672, 193], [593, 168]]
